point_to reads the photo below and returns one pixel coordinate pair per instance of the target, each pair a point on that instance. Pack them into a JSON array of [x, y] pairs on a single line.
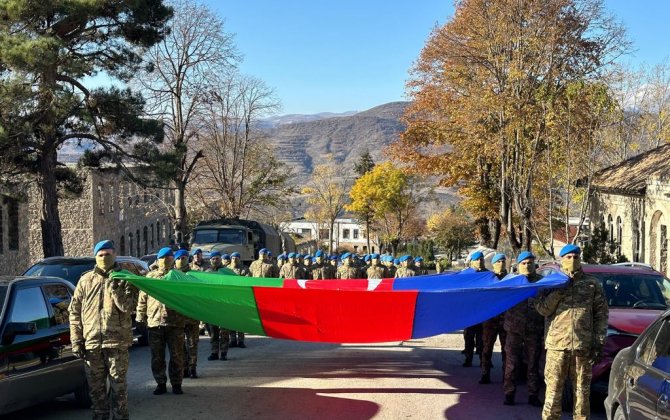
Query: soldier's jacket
[[392, 270], [154, 312], [576, 315], [240, 270], [196, 267], [324, 271], [378, 272], [404, 272], [349, 272], [420, 271], [260, 268], [289, 271], [100, 311], [523, 318]]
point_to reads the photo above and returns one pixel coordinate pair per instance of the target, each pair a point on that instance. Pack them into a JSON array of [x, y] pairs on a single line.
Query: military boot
[[192, 373], [242, 345], [485, 379], [534, 401], [160, 389], [223, 356], [176, 389], [468, 362], [213, 356], [509, 399]]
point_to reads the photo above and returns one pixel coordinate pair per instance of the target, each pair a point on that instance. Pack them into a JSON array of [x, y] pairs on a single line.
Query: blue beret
[[292, 255], [165, 252], [225, 257], [404, 258], [476, 255], [269, 253], [318, 253], [499, 256], [374, 256], [396, 261], [345, 255], [524, 256], [366, 258], [106, 244], [181, 253], [196, 251], [418, 259], [333, 257], [235, 255], [263, 251], [214, 254], [569, 249], [308, 257], [281, 256]]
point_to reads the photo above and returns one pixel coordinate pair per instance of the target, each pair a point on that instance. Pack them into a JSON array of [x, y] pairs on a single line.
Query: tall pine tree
[[46, 49]]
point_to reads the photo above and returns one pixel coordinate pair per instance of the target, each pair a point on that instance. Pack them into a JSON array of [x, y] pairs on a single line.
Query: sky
[[352, 55]]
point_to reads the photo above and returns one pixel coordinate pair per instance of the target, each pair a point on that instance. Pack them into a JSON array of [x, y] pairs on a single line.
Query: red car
[[636, 296]]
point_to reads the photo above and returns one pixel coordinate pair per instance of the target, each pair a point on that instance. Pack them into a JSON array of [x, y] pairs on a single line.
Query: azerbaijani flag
[[342, 311]]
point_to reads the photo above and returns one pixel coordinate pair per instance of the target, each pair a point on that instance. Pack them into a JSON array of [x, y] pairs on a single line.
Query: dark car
[[636, 297], [36, 360], [639, 385], [71, 269]]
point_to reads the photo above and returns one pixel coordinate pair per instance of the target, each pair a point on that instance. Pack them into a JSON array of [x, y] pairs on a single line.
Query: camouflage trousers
[[560, 366], [492, 329], [173, 339], [237, 337], [516, 345], [219, 339], [473, 337], [191, 338], [101, 365]]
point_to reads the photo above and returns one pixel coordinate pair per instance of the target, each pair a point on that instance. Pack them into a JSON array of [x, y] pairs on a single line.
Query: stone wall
[[14, 245]]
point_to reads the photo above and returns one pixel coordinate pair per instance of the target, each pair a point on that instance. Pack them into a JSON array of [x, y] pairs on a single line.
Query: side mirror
[[17, 328]]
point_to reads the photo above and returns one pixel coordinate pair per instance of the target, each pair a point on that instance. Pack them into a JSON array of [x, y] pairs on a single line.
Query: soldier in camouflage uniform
[[473, 335], [308, 266], [262, 267], [376, 270], [525, 328], [418, 267], [100, 332], [292, 269], [225, 260], [405, 269], [281, 260], [166, 329], [576, 329], [333, 261], [347, 269], [237, 337], [493, 328], [191, 326], [322, 270], [388, 263], [198, 263], [219, 338]]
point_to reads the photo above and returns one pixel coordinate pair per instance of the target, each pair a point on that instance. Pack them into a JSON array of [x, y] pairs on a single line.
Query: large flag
[[342, 311]]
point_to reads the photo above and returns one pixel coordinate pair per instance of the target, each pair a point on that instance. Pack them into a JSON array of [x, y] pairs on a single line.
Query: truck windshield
[[220, 236]]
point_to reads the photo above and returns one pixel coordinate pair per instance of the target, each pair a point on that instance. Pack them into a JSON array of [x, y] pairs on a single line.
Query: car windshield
[[69, 271], [644, 291], [221, 236]]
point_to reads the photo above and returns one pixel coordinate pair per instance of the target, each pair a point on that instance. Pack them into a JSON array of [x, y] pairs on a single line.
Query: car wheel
[[82, 396], [618, 414], [568, 398]]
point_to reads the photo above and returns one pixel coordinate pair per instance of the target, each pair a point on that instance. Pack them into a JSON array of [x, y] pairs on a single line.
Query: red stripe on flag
[[336, 316], [340, 284]]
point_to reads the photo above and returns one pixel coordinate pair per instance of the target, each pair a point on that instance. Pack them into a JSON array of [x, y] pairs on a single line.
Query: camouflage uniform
[[576, 331], [377, 272], [202, 267], [219, 338], [237, 337], [191, 339], [348, 272], [324, 271], [491, 330], [100, 325], [392, 269], [166, 329], [524, 327], [261, 268], [404, 272], [290, 271]]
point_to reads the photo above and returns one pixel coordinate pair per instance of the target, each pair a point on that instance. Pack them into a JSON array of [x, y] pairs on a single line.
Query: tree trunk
[[330, 237], [52, 240], [180, 222], [495, 237]]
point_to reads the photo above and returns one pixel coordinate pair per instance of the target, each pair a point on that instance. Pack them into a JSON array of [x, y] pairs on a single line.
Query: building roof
[[631, 175], [559, 234]]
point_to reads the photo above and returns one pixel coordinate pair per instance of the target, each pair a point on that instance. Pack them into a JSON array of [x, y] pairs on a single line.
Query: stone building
[[110, 207], [632, 201], [348, 233]]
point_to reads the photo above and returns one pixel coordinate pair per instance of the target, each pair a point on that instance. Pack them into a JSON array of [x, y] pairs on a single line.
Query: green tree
[[452, 230], [46, 49], [365, 213], [364, 164]]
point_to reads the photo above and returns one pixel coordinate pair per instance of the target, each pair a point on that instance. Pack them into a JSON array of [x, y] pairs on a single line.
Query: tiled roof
[[631, 175]]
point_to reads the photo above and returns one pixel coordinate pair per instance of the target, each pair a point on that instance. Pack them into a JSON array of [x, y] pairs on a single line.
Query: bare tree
[[180, 71]]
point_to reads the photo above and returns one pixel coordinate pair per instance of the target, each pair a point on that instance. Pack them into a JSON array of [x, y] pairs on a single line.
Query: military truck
[[238, 235]]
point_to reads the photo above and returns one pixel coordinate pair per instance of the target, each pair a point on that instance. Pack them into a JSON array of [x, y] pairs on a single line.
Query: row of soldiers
[[576, 324]]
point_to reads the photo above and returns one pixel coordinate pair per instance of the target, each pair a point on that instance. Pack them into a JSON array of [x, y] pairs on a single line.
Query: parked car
[[636, 297], [639, 385], [71, 269], [36, 359]]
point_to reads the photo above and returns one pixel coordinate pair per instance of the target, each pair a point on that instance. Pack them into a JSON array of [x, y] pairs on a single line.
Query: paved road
[[276, 379]]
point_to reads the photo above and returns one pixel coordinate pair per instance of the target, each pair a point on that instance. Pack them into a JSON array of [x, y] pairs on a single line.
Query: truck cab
[[225, 239]]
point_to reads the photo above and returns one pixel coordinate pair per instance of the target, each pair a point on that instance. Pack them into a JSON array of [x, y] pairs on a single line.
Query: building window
[[306, 233], [355, 248], [146, 240], [664, 249], [355, 233], [13, 225], [101, 200], [122, 245], [619, 234], [610, 228], [152, 236], [138, 244], [345, 233], [324, 234]]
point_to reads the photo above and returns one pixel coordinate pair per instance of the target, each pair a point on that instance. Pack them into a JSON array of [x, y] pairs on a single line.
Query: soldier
[[333, 259], [347, 270], [166, 329], [219, 338], [198, 263], [292, 269], [473, 334], [418, 267], [300, 259], [576, 329], [323, 270], [405, 270], [191, 326], [225, 260], [388, 260], [308, 266], [215, 262], [525, 328], [376, 270], [493, 328], [439, 266], [100, 332], [262, 267], [281, 259], [237, 337]]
